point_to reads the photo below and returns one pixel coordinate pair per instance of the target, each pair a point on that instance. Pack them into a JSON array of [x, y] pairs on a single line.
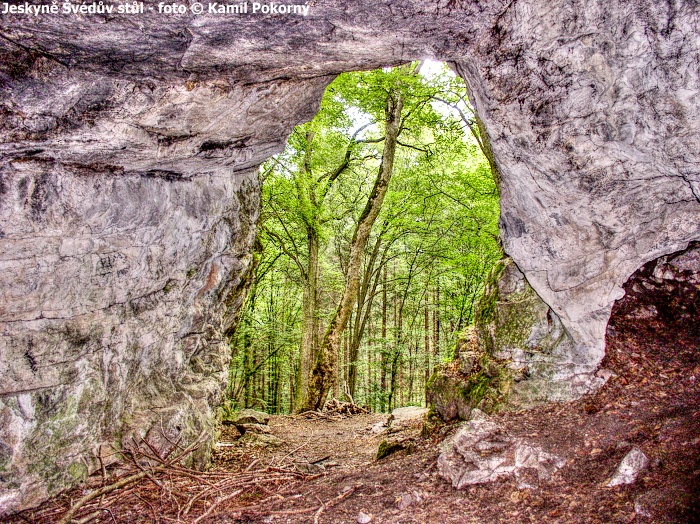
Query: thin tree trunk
[[383, 357], [436, 327], [426, 328]]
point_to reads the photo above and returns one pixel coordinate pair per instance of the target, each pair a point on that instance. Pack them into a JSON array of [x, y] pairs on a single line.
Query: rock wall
[[515, 327], [128, 188]]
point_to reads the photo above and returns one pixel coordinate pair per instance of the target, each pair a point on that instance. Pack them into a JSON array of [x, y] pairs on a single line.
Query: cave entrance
[[434, 240], [653, 349]]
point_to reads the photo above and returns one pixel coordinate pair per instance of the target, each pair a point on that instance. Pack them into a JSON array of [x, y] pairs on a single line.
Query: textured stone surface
[[481, 451], [632, 464], [516, 327], [128, 193], [473, 379], [247, 416], [408, 417]]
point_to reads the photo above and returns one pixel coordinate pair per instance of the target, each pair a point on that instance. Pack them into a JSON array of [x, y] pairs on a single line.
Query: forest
[[379, 225]]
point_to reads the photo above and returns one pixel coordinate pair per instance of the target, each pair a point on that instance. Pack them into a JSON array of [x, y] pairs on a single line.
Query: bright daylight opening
[[379, 227]]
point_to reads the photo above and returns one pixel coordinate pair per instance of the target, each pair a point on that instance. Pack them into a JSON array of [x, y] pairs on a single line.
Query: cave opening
[[653, 349], [129, 199], [423, 268]]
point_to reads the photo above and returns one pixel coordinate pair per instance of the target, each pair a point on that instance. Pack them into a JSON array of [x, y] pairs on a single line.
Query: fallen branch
[[102, 491], [216, 503], [320, 510], [332, 503]]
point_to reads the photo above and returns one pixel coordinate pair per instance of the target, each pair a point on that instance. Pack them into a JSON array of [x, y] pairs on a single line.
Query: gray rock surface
[[247, 416], [128, 188], [481, 451], [409, 499], [630, 467], [515, 326], [363, 518], [407, 417], [261, 440]]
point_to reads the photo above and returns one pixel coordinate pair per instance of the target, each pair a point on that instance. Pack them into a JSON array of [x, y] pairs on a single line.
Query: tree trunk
[[383, 357], [426, 328], [436, 327], [309, 327], [323, 372]]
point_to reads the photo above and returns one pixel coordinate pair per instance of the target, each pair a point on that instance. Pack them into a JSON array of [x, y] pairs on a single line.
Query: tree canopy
[[420, 270]]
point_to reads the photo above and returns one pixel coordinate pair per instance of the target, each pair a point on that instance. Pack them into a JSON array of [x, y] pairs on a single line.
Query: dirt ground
[[325, 471]]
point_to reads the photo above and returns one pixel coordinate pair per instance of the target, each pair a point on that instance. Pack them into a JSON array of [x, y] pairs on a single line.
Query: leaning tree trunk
[[323, 374]]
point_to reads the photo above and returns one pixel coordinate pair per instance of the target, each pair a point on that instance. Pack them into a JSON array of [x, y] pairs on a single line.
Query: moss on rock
[[472, 379], [510, 356]]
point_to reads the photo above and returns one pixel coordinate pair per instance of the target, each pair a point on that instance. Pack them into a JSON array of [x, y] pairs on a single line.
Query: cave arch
[[129, 195]]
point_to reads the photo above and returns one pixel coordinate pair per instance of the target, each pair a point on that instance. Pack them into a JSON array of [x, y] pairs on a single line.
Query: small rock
[[409, 499], [379, 428], [363, 518], [247, 416], [309, 468], [605, 374], [261, 440], [634, 462], [640, 509], [253, 428]]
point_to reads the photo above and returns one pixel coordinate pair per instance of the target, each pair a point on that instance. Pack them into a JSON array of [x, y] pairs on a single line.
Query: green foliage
[[431, 248]]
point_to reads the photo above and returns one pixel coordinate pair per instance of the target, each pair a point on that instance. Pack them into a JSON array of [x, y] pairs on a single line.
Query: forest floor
[[325, 470]]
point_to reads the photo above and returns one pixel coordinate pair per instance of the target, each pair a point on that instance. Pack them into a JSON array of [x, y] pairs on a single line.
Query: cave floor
[[653, 402]]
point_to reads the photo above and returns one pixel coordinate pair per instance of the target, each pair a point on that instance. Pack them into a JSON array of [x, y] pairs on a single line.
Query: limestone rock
[[393, 444], [481, 451], [632, 464], [129, 191], [514, 325], [247, 416], [260, 440], [472, 379], [363, 518], [409, 417], [519, 353], [253, 428], [379, 428], [409, 499]]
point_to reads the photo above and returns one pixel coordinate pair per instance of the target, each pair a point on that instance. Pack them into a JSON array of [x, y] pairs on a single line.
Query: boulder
[[393, 444], [407, 418], [482, 451], [472, 379]]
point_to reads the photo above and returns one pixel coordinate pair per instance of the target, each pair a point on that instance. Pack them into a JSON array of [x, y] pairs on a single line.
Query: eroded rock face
[[128, 191], [515, 326]]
